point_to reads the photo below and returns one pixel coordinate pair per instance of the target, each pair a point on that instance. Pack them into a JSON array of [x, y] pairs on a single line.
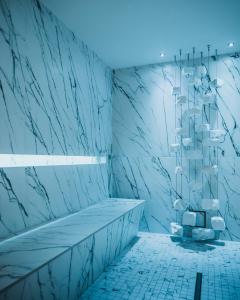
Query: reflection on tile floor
[[162, 267]]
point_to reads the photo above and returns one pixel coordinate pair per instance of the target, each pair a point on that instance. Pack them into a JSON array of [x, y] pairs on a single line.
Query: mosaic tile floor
[[158, 266]]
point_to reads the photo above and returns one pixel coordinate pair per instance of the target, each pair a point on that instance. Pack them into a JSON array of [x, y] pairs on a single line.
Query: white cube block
[[216, 83], [181, 131], [178, 205], [210, 204], [176, 229], [175, 147], [218, 223], [189, 218], [202, 234], [178, 170], [186, 142]]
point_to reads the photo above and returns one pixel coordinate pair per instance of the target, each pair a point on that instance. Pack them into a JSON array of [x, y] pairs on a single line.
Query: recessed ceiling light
[[231, 44], [162, 54]]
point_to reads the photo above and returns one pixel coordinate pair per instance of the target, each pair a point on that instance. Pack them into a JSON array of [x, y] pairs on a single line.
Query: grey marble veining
[[55, 92], [55, 98], [37, 195], [144, 127], [21, 256]]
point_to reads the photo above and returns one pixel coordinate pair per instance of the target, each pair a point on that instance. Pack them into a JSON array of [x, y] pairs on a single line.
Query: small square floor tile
[[160, 267]]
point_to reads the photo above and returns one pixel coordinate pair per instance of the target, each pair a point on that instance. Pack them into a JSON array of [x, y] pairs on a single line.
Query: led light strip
[[25, 160]]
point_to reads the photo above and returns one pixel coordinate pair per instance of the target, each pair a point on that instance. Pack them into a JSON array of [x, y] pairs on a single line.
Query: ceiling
[[128, 33]]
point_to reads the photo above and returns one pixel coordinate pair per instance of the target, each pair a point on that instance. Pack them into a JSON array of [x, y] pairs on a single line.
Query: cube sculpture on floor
[[202, 234], [218, 223], [210, 204], [176, 229], [189, 218]]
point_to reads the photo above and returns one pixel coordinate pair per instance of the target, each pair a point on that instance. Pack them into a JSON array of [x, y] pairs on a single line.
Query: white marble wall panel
[[55, 92], [37, 195], [158, 187], [144, 127], [229, 191], [55, 99]]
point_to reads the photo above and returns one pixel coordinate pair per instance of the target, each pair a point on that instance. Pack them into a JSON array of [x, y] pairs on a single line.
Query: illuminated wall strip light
[[25, 160]]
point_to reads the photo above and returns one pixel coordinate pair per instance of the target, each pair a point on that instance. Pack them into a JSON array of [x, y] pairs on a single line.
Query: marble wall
[[55, 98], [144, 127]]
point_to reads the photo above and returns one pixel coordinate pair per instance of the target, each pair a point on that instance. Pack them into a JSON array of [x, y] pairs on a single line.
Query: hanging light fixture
[[194, 142]]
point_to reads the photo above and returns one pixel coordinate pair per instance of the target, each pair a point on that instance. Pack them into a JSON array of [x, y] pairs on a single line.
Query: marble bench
[[60, 260]]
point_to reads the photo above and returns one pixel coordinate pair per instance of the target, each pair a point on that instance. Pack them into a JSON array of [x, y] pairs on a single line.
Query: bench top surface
[[27, 252]]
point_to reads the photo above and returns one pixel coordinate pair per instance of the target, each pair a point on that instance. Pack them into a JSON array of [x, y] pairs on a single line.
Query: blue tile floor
[[159, 266]]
